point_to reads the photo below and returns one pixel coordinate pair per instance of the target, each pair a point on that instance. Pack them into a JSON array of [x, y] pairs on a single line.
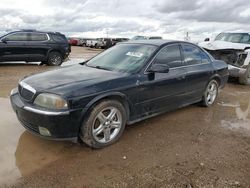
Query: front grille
[[25, 93]]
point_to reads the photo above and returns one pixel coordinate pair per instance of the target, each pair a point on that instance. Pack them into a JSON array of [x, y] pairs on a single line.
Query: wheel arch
[[118, 96], [217, 78], [53, 50]]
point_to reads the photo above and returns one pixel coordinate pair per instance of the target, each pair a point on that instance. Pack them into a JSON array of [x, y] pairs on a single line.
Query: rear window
[[58, 38]]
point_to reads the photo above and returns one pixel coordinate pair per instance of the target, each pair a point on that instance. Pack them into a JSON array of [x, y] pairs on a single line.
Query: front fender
[[126, 101]]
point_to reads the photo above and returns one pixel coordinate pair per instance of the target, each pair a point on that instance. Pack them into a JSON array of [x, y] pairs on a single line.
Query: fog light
[[43, 131]]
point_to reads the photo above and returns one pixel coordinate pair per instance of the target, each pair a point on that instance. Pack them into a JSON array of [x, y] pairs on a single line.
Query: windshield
[[123, 58], [234, 37]]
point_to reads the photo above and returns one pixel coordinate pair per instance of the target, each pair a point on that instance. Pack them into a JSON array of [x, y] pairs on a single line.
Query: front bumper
[[236, 71], [64, 125]]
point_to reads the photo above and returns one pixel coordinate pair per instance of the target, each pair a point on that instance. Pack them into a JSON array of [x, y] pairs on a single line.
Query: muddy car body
[[125, 84], [234, 49]]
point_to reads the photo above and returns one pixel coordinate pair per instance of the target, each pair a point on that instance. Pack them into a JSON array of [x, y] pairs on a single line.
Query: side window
[[38, 37], [192, 54], [17, 37], [245, 39], [204, 57], [58, 38], [170, 56]]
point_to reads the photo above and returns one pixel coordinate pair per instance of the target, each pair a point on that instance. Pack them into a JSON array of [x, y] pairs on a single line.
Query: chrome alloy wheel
[[211, 93], [56, 60], [107, 125]]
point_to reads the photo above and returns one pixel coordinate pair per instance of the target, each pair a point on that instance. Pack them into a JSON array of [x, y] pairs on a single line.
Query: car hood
[[222, 45], [70, 79]]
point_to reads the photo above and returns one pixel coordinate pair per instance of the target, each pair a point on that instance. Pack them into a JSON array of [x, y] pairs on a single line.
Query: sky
[[171, 19]]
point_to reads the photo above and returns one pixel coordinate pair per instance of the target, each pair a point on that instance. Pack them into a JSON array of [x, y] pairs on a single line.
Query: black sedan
[[132, 81]]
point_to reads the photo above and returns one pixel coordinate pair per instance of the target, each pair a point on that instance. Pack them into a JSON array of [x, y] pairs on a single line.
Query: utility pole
[[187, 38]]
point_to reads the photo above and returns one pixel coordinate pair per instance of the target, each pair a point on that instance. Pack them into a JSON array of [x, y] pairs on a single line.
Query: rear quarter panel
[[221, 69]]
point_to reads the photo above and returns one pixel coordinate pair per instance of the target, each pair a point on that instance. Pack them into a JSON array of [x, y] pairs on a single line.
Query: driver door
[[13, 47], [163, 91]]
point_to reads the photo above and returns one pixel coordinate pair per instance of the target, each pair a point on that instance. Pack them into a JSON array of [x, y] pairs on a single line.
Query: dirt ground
[[190, 147]]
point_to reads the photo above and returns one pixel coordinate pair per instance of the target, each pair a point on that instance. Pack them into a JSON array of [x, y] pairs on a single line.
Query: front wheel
[[104, 124], [210, 93], [55, 59]]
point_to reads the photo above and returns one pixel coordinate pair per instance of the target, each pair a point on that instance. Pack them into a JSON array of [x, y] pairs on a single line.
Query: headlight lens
[[51, 101]]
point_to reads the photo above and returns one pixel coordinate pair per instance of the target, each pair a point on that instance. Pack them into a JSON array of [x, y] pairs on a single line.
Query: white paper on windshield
[[135, 54]]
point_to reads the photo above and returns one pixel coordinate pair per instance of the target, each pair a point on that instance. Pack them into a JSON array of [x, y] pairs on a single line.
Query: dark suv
[[31, 46]]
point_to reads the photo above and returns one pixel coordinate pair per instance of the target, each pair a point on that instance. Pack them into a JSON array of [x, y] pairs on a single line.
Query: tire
[[245, 78], [99, 131], [43, 63], [55, 59], [210, 93]]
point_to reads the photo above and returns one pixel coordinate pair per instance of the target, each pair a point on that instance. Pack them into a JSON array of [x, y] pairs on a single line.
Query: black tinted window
[[16, 37], [204, 57], [192, 54], [38, 37], [59, 38], [170, 55]]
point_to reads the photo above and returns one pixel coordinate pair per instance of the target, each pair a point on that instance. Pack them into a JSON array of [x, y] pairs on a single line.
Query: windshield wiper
[[103, 68], [99, 67]]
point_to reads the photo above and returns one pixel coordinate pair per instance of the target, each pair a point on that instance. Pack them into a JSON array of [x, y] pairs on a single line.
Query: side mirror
[[207, 39], [160, 68]]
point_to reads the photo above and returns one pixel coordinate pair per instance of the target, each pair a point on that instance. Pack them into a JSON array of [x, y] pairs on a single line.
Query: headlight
[[51, 101]]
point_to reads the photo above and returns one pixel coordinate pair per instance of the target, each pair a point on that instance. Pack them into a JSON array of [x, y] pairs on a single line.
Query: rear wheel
[[104, 125], [55, 59], [245, 78], [210, 94], [44, 63]]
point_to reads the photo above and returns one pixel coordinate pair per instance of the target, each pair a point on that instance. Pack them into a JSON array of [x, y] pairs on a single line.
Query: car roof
[[35, 31], [157, 42]]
